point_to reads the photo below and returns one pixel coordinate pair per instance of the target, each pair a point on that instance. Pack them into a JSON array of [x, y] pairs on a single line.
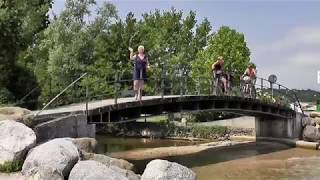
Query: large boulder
[[316, 120], [89, 170], [46, 173], [127, 173], [15, 141], [60, 154], [108, 161], [311, 133], [86, 144], [14, 113], [162, 169], [307, 121]]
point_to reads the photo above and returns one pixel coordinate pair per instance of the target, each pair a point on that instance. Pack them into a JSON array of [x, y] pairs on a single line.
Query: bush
[[207, 132], [12, 166], [6, 96]]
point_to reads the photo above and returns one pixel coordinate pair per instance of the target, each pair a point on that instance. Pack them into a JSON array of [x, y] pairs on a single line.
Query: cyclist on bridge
[[218, 73], [250, 74], [141, 63]]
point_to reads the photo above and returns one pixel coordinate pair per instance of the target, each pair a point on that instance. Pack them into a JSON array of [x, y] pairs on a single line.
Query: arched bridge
[[273, 119], [126, 109]]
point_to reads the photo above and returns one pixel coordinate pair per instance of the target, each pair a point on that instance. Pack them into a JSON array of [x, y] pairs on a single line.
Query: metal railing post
[[162, 82], [271, 86], [181, 93], [116, 88], [162, 87], [87, 100]]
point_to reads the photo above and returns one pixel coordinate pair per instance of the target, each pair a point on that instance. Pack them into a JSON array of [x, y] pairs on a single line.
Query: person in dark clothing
[[141, 64]]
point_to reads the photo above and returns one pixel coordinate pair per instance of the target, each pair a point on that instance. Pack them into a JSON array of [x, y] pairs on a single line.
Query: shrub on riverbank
[[14, 166], [163, 130], [207, 132]]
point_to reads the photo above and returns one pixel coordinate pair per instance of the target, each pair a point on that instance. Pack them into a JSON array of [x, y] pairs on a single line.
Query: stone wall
[[74, 126]]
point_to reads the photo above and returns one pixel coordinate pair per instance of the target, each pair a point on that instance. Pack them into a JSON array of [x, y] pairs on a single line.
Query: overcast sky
[[283, 36]]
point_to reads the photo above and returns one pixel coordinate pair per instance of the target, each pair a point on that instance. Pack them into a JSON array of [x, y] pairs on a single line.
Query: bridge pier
[[279, 128]]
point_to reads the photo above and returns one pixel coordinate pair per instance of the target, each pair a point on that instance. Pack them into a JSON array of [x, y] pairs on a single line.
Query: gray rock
[[60, 154], [165, 170], [14, 113], [307, 121], [316, 120], [15, 140], [311, 133], [86, 144], [46, 173], [108, 161], [89, 170], [126, 173]]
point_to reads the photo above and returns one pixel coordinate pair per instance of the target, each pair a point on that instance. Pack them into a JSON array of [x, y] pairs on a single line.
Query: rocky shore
[[23, 158], [311, 127]]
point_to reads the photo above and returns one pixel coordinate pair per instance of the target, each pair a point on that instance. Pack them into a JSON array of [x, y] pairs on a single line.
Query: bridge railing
[[84, 89]]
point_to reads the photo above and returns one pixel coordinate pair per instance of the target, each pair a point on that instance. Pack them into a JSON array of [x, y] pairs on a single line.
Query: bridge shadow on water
[[218, 155]]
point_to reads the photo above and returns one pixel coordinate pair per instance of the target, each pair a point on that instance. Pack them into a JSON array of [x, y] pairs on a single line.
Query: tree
[[20, 21], [228, 43]]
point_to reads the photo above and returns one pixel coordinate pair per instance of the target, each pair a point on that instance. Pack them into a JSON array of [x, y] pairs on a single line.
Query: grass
[[11, 166]]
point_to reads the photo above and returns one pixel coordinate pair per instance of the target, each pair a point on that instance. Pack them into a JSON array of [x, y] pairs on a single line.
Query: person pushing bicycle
[[250, 74], [218, 73]]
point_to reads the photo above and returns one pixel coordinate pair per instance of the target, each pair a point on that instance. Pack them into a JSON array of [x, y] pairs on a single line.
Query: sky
[[283, 36]]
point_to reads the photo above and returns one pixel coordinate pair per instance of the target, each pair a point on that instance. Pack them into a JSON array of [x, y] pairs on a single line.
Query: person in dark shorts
[[141, 63]]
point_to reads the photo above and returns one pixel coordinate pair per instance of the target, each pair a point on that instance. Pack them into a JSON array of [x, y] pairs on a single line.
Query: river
[[258, 160]]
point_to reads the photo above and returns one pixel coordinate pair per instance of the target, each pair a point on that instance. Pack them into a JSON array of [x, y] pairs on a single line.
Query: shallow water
[[109, 144], [260, 160]]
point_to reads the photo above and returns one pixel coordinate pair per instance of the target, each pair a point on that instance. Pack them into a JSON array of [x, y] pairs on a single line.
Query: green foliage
[[20, 21], [14, 166], [54, 54], [228, 43], [307, 95], [207, 132], [6, 96], [266, 97]]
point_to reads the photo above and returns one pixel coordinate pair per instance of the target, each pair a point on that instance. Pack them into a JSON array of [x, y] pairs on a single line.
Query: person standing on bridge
[[141, 63], [218, 73]]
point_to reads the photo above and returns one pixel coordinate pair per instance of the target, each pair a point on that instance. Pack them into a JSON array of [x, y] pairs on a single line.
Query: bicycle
[[247, 87], [218, 84]]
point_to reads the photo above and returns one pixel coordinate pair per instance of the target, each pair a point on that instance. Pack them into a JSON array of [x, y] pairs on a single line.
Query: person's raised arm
[[132, 56], [213, 65]]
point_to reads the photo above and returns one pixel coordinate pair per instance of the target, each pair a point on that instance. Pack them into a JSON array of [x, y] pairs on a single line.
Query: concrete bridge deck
[[92, 105]]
